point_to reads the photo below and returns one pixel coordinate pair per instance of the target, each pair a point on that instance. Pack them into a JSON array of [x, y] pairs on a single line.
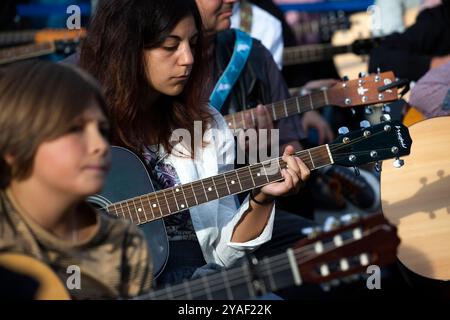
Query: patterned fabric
[[178, 226], [114, 262]]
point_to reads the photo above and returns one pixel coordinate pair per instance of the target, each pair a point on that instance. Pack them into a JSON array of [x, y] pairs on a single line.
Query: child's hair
[[39, 102]]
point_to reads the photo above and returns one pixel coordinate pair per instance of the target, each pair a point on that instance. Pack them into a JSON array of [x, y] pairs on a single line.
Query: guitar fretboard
[[16, 37], [237, 283], [312, 53], [280, 109], [25, 52], [159, 204]]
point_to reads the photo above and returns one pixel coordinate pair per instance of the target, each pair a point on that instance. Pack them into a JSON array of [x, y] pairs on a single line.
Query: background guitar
[[349, 64], [417, 200], [35, 50], [129, 192], [14, 38]]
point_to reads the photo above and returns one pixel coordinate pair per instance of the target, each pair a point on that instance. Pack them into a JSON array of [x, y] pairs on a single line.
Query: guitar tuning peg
[[364, 124], [378, 166], [357, 173], [385, 117], [362, 75], [398, 163], [378, 71], [343, 130], [345, 78], [386, 109], [331, 223], [353, 111], [368, 110], [312, 232]]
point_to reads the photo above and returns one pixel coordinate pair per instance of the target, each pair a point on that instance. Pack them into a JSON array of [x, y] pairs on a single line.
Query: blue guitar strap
[[242, 48]]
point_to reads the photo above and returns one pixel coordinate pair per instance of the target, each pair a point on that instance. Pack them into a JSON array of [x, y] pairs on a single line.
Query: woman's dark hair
[[113, 52]]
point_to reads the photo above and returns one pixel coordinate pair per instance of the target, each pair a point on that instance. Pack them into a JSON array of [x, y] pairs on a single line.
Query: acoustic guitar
[[129, 192], [416, 199], [345, 252]]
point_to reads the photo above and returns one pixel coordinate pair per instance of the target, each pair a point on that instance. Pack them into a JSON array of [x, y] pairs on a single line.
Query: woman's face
[[168, 66], [77, 162]]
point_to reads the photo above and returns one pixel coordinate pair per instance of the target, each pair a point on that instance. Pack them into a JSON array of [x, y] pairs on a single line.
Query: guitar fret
[[158, 206], [234, 121], [227, 285], [193, 192], [207, 288], [243, 119], [137, 213], [312, 161], [175, 198], [167, 202], [233, 182], [298, 106], [180, 188], [210, 189], [151, 206], [325, 94], [272, 283], [285, 108], [187, 289], [129, 213], [143, 209], [273, 112], [121, 211], [248, 276], [204, 190], [265, 173], [253, 117], [251, 176], [226, 183], [311, 102]]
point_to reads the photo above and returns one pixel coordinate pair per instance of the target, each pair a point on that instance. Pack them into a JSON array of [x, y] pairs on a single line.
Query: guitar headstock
[[363, 91], [386, 140], [348, 249]]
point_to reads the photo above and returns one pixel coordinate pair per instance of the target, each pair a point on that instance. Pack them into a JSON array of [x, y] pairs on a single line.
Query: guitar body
[[416, 198], [49, 287], [129, 178]]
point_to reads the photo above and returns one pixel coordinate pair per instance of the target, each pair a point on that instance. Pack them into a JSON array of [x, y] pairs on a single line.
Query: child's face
[[169, 66], [77, 162]]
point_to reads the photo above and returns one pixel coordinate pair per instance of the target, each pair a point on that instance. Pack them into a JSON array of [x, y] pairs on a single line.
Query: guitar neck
[[25, 52], [238, 283], [16, 37], [312, 53], [280, 109], [169, 201]]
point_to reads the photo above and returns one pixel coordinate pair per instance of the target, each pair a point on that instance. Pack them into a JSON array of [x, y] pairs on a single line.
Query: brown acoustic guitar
[[416, 199], [49, 286]]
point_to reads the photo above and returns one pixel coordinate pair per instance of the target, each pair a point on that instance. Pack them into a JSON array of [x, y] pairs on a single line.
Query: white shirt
[[215, 221], [266, 28]]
